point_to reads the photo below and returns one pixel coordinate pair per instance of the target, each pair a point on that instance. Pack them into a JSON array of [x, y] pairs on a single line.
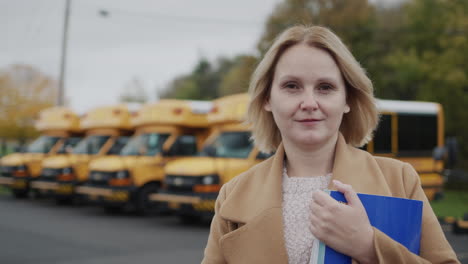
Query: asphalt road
[[38, 231], [33, 231]]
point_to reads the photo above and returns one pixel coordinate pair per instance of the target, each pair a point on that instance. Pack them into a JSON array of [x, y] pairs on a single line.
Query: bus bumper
[[58, 189], [107, 195], [196, 204], [17, 183], [6, 181]]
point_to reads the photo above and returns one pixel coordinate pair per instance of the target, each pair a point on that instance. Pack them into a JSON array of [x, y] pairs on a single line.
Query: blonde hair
[[357, 125]]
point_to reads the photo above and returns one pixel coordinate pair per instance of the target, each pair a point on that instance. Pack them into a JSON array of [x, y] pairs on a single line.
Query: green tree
[[353, 21], [202, 83], [431, 61], [237, 79]]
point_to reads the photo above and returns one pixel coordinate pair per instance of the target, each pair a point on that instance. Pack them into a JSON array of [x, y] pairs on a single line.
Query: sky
[[152, 40]]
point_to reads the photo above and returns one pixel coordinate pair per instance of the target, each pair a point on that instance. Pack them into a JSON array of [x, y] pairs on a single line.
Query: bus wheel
[[143, 205], [20, 194], [113, 209], [64, 200], [188, 219]]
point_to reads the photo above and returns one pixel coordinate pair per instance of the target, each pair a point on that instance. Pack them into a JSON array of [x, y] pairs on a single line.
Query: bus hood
[[13, 159], [56, 162], [195, 166], [113, 163]]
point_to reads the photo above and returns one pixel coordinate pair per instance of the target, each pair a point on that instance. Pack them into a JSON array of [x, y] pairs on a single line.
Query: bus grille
[[101, 178]]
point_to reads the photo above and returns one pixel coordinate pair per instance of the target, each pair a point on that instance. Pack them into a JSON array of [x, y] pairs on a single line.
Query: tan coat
[[248, 223]]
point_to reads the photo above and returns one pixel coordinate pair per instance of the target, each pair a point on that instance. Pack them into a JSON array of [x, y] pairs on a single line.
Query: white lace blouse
[[297, 197]]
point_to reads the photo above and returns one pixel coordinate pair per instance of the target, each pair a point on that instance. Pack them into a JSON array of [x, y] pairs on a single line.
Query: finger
[[322, 198], [349, 193], [315, 208]]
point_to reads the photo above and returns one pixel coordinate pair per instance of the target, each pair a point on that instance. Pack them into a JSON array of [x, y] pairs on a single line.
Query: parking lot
[[39, 231]]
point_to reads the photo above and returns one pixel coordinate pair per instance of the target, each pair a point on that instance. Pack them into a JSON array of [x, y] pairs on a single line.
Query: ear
[[267, 105], [347, 109]]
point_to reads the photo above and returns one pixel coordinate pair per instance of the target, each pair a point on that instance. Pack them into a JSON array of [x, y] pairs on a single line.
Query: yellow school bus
[[59, 127], [410, 131], [191, 184], [165, 131], [107, 130]]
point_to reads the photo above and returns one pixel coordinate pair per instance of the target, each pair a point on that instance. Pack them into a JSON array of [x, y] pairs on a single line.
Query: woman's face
[[307, 97]]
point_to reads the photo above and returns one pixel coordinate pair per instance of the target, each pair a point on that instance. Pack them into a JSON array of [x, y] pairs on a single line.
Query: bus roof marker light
[[178, 111]]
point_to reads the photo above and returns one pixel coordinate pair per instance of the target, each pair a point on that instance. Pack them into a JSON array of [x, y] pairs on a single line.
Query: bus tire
[[188, 219], [64, 200], [113, 209], [20, 194], [143, 205]]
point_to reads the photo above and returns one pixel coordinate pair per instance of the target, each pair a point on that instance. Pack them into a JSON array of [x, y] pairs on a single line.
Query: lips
[[309, 120]]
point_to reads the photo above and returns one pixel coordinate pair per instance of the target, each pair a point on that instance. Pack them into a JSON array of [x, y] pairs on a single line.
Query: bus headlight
[[210, 179], [68, 170], [21, 168], [123, 174]]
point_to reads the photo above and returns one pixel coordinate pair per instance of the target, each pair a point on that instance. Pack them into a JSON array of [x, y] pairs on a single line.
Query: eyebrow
[[321, 79], [328, 79]]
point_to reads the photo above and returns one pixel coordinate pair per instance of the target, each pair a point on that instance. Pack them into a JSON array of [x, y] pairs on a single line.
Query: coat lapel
[[359, 169], [254, 203]]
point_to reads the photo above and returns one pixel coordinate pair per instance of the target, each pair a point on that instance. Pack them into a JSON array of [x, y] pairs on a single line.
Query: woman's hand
[[345, 228]]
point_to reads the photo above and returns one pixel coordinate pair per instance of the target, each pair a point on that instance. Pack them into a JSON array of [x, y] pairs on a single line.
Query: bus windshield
[[68, 145], [148, 144], [235, 144], [42, 145], [119, 143], [91, 144]]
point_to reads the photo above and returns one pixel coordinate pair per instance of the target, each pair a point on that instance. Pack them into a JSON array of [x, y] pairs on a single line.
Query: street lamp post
[[61, 88]]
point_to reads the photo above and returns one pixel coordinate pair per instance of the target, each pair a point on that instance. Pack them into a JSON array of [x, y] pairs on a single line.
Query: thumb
[[350, 195]]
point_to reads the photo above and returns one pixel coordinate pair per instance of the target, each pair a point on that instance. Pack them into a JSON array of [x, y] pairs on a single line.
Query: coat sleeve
[[219, 227], [434, 246]]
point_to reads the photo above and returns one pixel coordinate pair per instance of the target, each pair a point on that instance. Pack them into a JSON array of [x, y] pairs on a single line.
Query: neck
[[310, 161]]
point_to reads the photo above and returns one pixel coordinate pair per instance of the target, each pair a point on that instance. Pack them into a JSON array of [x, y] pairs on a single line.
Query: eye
[[325, 87], [291, 86]]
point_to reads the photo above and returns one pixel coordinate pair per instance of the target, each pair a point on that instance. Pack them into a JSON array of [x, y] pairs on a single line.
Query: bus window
[[155, 143], [383, 135], [42, 145], [148, 144], [263, 155], [68, 145], [119, 143], [185, 145], [231, 145], [90, 145], [417, 135]]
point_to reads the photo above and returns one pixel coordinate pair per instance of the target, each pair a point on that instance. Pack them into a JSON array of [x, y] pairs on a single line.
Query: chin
[[312, 140]]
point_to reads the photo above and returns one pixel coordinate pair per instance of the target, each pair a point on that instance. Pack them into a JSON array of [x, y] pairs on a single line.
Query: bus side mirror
[[438, 153]]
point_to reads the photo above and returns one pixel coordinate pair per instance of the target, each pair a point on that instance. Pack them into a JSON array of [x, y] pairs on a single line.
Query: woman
[[313, 105]]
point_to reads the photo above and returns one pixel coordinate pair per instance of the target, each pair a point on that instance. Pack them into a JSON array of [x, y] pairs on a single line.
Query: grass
[[4, 190], [454, 203]]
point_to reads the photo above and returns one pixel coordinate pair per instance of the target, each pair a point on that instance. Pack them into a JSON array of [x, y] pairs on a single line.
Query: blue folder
[[398, 218]]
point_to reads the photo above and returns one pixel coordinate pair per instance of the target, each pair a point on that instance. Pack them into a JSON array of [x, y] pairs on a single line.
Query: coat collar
[[260, 188]]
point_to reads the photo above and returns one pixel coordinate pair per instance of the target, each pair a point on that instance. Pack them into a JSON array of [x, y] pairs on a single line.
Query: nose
[[309, 101]]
